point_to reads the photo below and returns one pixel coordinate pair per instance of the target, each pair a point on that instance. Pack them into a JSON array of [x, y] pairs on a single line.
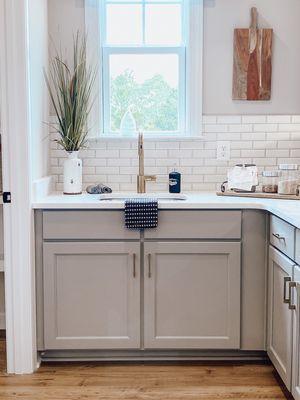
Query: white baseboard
[[2, 320]]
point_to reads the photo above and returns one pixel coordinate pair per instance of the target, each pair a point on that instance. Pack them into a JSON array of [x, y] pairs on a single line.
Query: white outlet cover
[[223, 150]]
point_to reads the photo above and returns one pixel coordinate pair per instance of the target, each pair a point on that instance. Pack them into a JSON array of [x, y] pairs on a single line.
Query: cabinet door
[[192, 295], [296, 335], [91, 295], [279, 315]]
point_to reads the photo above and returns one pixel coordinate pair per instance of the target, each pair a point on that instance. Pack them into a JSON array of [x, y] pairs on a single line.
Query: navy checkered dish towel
[[141, 213]]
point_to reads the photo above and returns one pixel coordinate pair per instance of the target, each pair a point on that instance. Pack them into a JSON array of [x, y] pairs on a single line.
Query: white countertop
[[289, 210]]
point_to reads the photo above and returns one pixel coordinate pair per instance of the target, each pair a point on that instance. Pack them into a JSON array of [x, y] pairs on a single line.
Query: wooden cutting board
[[252, 62]]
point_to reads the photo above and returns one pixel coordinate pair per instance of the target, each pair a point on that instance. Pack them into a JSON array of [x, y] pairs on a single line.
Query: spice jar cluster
[[284, 181]]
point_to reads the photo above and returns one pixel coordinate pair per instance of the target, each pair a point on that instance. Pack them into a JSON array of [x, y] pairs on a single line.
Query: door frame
[[18, 216]]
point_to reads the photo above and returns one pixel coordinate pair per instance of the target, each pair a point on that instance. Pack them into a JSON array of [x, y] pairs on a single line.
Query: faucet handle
[[151, 178]]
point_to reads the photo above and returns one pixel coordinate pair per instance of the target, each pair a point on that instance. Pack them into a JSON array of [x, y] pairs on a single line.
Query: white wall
[[38, 50], [220, 18]]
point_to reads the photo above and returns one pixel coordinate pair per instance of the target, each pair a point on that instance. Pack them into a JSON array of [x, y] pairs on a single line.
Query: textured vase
[[73, 174]]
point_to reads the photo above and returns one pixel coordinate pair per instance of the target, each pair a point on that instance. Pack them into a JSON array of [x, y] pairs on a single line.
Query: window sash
[[143, 4], [193, 67], [107, 51]]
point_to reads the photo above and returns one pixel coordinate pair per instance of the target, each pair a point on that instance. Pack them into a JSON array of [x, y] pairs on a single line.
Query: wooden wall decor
[[252, 64]]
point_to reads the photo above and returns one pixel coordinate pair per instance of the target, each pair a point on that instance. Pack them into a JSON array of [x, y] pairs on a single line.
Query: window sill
[[147, 137]]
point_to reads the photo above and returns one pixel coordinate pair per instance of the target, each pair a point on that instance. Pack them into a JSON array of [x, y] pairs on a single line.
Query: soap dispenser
[[174, 181]]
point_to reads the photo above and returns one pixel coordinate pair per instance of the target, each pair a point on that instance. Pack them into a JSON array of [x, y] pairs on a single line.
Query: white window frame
[[190, 107]]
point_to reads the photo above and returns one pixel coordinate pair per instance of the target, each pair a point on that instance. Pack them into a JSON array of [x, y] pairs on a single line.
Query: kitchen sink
[[131, 195]]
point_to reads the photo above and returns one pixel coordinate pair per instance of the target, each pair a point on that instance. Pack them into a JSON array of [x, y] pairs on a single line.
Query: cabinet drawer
[[183, 224], [100, 225], [282, 236], [297, 249]]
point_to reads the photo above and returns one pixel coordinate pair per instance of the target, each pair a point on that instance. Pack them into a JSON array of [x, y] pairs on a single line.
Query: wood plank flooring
[[168, 381]]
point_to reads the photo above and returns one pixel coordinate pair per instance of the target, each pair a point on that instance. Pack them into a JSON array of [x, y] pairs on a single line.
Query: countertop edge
[[288, 210]]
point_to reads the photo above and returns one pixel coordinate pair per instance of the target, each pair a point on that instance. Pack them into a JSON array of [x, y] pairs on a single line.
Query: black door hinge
[[6, 197]]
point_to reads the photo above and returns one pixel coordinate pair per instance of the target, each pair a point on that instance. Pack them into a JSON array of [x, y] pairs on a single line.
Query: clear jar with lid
[[270, 181], [288, 182]]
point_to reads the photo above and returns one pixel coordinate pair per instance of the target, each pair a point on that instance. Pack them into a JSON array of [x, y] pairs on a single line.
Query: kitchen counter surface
[[289, 210]]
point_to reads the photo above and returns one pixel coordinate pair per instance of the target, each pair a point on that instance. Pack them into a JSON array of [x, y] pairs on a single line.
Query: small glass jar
[[288, 181], [270, 181]]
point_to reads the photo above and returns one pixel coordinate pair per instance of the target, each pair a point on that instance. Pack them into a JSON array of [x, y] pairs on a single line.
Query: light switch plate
[[223, 151]]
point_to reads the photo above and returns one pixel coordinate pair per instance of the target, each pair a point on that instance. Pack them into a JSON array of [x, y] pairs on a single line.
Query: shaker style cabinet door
[[91, 295], [279, 346], [192, 295], [296, 334]]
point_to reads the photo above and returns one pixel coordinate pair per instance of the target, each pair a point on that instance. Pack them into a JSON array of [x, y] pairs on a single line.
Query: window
[[148, 79]]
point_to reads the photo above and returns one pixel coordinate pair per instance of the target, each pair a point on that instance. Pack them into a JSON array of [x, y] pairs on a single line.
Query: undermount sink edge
[[131, 195]]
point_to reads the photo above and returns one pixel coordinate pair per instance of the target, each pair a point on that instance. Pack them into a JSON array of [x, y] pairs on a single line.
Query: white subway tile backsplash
[[241, 144], [240, 128], [294, 153], [190, 162], [278, 136], [209, 119], [288, 144], [229, 136], [127, 153], [289, 127], [215, 128], [264, 162], [118, 162], [265, 144], [265, 127], [192, 144], [229, 119], [167, 145], [279, 119], [182, 153], [104, 153], [253, 136], [253, 153], [157, 153], [254, 119], [266, 140], [277, 153], [167, 162], [295, 119], [94, 162], [212, 153], [107, 170]]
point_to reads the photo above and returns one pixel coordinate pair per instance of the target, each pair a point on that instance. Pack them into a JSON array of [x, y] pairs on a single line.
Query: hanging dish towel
[[141, 213]]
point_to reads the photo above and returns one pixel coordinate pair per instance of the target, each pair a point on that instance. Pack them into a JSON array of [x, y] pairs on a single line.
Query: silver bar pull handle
[[134, 264], [291, 285], [149, 265], [278, 236], [286, 300]]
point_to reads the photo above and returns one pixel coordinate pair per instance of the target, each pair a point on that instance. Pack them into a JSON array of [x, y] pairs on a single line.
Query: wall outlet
[[223, 151]]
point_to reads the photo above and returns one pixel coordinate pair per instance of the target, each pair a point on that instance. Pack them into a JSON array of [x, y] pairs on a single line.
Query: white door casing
[[18, 216]]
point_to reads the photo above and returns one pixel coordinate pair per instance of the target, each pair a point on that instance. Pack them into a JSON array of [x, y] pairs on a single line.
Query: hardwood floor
[[168, 381]]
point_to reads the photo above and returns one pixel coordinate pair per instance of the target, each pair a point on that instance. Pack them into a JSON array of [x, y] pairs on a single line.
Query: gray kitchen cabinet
[[192, 295], [282, 236], [280, 317], [296, 334], [91, 295]]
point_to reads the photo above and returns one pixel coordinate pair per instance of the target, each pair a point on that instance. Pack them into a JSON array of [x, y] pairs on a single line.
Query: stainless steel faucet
[[141, 178]]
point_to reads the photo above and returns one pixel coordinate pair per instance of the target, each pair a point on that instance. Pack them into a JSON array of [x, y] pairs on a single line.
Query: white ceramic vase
[[73, 174]]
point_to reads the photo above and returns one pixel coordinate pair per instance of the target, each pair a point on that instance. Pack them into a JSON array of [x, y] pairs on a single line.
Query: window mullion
[[144, 21]]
